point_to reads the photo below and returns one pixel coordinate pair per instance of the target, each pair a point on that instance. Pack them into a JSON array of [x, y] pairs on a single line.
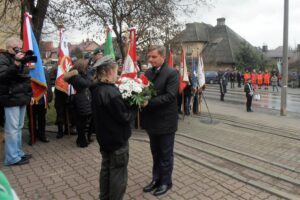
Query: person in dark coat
[[187, 96], [223, 84], [39, 111], [249, 94], [232, 79], [239, 78], [112, 121], [160, 119], [15, 94], [78, 78]]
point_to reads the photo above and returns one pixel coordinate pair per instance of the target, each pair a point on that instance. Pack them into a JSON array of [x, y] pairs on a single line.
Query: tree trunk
[[38, 16]]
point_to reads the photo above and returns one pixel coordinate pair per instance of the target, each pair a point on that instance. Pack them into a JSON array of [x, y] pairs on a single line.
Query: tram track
[[250, 169], [255, 126]]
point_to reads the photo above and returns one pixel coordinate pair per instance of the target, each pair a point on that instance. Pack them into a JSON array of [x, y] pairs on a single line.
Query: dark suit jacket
[[160, 116]]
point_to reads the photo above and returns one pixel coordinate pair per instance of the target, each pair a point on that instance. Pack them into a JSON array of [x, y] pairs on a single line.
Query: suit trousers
[[162, 153]]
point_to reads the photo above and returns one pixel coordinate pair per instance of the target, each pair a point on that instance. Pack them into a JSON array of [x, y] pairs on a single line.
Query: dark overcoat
[[160, 115], [15, 84]]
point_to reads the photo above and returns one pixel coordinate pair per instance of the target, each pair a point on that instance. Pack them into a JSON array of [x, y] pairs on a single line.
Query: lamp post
[[283, 111]]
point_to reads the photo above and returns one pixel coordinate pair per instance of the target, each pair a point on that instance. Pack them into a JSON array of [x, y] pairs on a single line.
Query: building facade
[[218, 44]]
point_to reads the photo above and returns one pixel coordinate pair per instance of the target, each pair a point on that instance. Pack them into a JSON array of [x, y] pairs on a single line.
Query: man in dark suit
[[160, 119]]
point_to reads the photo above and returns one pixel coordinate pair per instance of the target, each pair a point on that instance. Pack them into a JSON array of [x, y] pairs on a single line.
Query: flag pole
[[183, 104], [211, 120], [31, 125], [138, 119], [200, 102]]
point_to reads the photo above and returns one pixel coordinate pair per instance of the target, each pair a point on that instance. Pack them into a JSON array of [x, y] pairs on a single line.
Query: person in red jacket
[[259, 79], [254, 78], [246, 76], [267, 78]]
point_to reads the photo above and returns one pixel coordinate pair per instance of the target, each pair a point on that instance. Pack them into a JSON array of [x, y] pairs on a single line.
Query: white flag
[[201, 75]]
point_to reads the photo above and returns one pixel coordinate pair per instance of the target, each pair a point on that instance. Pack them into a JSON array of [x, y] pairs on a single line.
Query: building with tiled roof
[[275, 55], [86, 47], [218, 44]]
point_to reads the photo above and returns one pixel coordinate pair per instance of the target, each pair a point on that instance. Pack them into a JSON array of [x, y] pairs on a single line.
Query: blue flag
[[38, 79], [195, 82]]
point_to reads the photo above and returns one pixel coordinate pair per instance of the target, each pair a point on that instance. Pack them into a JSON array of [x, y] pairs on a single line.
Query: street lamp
[[285, 59]]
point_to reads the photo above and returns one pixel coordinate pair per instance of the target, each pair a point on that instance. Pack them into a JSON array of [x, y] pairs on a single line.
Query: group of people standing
[[97, 104], [189, 101], [259, 79], [252, 82]]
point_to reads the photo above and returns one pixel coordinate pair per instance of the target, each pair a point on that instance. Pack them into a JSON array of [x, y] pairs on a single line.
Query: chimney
[[298, 47], [221, 21], [265, 48]]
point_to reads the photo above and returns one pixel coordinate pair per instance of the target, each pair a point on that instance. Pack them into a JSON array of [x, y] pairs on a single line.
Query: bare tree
[[155, 19], [9, 19]]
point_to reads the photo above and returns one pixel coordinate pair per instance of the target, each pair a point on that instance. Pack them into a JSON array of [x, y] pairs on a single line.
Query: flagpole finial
[[26, 14]]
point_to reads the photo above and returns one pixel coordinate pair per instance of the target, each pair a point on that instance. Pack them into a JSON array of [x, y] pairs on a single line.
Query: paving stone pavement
[[59, 170]]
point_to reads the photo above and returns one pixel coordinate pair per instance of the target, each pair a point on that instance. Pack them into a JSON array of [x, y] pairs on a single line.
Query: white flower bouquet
[[135, 91]]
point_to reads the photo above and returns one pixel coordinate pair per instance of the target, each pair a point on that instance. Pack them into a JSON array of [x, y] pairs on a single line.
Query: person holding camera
[[15, 94]]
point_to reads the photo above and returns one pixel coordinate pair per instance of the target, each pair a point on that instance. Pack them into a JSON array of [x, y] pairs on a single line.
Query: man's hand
[[145, 104], [32, 101]]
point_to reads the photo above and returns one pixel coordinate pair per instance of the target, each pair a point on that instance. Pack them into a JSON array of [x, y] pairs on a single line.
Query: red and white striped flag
[[130, 67], [170, 59], [64, 65], [184, 79]]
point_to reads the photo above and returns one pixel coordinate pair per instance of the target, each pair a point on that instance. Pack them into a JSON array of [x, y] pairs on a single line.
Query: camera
[[28, 56]]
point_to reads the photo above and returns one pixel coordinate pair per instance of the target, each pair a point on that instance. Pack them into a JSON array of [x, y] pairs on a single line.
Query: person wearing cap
[[112, 122], [249, 94], [97, 55], [160, 119]]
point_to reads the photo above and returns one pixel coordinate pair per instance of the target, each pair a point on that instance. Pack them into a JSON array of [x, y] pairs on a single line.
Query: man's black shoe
[[21, 162], [27, 156], [44, 139], [59, 135], [150, 187], [162, 190]]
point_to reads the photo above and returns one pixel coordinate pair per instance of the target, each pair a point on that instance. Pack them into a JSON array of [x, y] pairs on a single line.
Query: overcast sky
[[258, 21]]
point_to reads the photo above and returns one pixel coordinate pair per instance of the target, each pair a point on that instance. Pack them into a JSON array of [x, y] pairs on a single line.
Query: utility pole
[[283, 111]]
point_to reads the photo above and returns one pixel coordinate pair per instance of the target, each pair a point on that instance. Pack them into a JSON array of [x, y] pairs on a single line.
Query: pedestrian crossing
[[269, 99]]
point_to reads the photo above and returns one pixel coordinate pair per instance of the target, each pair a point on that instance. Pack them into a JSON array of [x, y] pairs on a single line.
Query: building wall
[[191, 50], [10, 23]]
